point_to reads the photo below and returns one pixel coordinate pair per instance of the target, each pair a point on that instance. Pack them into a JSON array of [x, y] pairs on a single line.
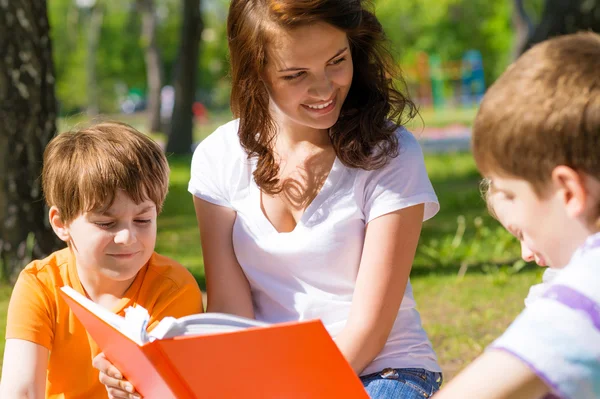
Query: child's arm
[[24, 371], [388, 252], [495, 375]]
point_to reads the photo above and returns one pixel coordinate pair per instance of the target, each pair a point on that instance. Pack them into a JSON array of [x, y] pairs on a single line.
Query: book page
[[203, 323]]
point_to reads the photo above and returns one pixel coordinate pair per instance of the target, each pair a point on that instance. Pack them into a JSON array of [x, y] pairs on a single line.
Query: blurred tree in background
[[154, 69], [182, 123], [121, 62], [561, 17], [28, 115]]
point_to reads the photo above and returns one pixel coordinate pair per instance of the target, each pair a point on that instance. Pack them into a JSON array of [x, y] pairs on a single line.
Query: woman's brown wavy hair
[[364, 135]]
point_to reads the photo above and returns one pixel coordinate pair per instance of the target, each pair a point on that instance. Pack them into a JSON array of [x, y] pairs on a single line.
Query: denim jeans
[[402, 384]]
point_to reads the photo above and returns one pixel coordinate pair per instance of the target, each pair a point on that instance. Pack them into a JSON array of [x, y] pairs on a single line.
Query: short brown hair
[[485, 189], [84, 168], [544, 111], [364, 135]]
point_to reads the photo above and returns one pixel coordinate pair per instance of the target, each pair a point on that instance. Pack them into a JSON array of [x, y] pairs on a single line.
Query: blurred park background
[[162, 66]]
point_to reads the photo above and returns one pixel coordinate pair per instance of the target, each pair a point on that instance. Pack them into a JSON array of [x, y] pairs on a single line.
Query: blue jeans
[[402, 384]]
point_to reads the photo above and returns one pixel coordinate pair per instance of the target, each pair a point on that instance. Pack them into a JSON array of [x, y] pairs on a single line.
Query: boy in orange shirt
[[105, 186]]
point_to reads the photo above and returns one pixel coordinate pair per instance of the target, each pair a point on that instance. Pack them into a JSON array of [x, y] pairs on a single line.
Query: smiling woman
[[310, 204], [308, 84]]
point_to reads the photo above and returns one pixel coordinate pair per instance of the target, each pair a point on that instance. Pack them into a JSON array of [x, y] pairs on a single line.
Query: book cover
[[295, 360]]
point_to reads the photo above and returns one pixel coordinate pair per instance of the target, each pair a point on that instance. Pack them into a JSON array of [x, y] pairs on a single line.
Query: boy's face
[[117, 243], [503, 215], [538, 223]]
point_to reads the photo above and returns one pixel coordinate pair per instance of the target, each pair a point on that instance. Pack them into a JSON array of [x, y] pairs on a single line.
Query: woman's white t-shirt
[[310, 272]]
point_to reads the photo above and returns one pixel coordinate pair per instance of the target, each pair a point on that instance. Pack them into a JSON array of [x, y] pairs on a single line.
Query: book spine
[[163, 366]]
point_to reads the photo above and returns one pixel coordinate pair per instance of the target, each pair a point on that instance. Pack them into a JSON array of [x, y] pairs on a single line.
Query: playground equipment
[[440, 84]]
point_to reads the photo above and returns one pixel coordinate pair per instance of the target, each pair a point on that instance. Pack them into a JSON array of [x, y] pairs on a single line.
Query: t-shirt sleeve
[[402, 183], [210, 175], [30, 312], [558, 337]]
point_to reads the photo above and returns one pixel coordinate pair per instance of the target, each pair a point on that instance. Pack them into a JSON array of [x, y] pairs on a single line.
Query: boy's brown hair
[[544, 111], [84, 168]]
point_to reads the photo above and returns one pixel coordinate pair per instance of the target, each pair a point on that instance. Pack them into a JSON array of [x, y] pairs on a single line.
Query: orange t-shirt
[[37, 313]]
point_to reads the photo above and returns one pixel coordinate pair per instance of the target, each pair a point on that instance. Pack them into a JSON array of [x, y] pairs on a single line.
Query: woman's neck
[[291, 138]]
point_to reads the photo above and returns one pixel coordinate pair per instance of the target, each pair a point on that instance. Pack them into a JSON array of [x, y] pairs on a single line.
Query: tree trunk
[[153, 62], [93, 40], [523, 27], [182, 123], [561, 17], [28, 115]]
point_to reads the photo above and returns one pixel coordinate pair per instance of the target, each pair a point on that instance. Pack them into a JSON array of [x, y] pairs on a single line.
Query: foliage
[[449, 28], [120, 59]]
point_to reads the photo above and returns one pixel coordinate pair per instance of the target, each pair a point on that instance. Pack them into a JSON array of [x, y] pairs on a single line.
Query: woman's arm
[[388, 252], [495, 375], [227, 288], [24, 371]]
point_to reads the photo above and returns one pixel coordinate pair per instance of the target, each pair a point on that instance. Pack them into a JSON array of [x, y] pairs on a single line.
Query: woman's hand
[[116, 385]]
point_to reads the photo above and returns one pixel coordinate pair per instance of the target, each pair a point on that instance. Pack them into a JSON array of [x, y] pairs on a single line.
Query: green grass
[[4, 297], [460, 313], [442, 117]]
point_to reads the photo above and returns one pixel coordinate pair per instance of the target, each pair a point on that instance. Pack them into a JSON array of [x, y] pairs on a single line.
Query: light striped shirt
[[558, 335]]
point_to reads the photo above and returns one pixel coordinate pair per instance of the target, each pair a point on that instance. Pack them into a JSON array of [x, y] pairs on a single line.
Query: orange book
[[218, 356]]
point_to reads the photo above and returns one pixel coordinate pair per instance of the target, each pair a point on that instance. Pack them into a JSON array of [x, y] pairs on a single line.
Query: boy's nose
[[125, 237], [526, 253]]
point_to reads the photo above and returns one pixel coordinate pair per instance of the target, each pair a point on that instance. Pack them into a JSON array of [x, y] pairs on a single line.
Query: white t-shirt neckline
[[322, 196]]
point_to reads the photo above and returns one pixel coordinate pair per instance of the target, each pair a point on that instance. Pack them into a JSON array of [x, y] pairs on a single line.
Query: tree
[[523, 26], [28, 115], [182, 122], [561, 17], [154, 70], [94, 12]]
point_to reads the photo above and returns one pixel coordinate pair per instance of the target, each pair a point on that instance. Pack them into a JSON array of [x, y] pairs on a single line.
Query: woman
[[310, 204]]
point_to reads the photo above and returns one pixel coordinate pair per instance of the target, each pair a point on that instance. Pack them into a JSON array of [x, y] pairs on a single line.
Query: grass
[[464, 264]]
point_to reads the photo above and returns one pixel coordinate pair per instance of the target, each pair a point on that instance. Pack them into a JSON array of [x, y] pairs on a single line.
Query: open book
[[214, 355]]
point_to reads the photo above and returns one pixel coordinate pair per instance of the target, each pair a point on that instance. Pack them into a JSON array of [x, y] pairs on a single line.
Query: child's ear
[[571, 188], [58, 225]]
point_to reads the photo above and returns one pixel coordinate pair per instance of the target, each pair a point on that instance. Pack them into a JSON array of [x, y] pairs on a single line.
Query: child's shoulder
[[582, 275], [51, 271], [163, 271]]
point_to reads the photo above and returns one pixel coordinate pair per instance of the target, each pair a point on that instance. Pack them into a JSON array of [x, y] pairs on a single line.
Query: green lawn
[[461, 312]]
